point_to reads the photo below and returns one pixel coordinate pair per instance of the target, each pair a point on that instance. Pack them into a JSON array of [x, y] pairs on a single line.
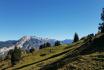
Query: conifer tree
[[76, 37], [15, 56], [47, 44], [57, 43], [101, 25]]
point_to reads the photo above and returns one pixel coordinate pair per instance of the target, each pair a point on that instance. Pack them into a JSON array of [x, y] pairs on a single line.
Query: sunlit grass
[[38, 59]]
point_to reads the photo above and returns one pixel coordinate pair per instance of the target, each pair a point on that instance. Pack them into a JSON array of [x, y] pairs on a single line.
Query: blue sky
[[58, 19]]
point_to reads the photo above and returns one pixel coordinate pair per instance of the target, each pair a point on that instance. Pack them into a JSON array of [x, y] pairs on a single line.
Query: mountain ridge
[[26, 42], [24, 39]]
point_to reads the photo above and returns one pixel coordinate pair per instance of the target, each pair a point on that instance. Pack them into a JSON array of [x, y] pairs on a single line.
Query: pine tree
[[101, 25], [47, 44], [76, 38], [32, 50], [15, 56], [41, 46], [57, 43]]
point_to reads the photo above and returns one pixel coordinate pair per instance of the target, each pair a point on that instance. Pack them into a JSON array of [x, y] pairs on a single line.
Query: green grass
[[86, 62], [36, 58], [64, 57]]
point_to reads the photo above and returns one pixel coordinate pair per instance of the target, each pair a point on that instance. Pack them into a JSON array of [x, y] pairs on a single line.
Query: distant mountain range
[[30, 41], [67, 41], [26, 42], [7, 43]]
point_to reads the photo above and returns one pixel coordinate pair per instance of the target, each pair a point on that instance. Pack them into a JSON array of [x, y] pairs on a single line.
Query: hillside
[[86, 54]]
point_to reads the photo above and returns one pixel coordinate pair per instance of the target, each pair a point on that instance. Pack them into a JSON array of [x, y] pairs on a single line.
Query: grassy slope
[[89, 56], [65, 57], [86, 62], [35, 60]]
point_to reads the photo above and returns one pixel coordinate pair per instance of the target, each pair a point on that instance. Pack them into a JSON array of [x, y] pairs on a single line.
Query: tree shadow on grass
[[42, 60]]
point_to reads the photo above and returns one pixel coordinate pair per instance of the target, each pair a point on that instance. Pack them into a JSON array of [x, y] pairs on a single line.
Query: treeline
[[45, 45]]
